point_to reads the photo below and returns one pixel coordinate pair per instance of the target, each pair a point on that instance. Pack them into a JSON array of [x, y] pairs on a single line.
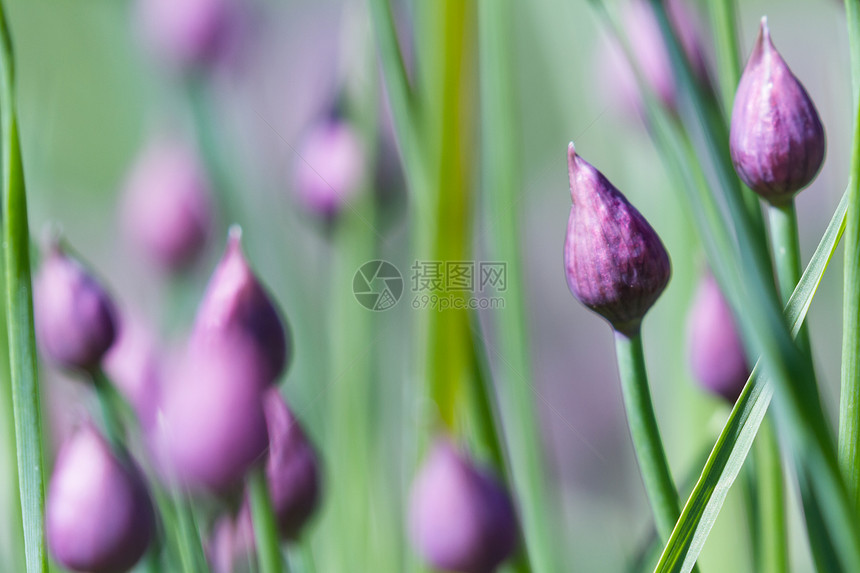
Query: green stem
[[786, 257], [723, 21], [190, 547], [646, 435], [852, 16], [265, 525], [773, 546], [26, 394], [113, 426], [849, 402], [501, 193]]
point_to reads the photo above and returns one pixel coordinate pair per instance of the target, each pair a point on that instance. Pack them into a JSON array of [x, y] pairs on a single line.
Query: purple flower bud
[[330, 167], [651, 54], [292, 468], [99, 516], [614, 260], [166, 209], [213, 427], [715, 350], [74, 316], [461, 519], [236, 306], [187, 33], [777, 140], [134, 366]]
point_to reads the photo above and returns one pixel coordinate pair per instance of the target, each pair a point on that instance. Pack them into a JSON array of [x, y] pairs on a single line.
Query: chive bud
[[237, 306], [292, 467], [99, 516], [461, 519], [134, 366], [190, 33], [777, 141], [715, 350], [166, 208], [212, 428], [75, 317], [614, 260], [330, 168]]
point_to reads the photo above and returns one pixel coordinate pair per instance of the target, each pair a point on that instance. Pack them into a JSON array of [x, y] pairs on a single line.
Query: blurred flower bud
[[614, 260], [212, 427], [237, 306], [166, 208], [461, 519], [292, 468], [329, 168], [187, 33], [715, 350], [651, 54], [134, 366], [99, 516], [74, 316], [777, 140]]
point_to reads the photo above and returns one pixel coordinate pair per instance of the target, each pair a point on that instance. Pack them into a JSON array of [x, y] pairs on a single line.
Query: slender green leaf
[[19, 320], [733, 445]]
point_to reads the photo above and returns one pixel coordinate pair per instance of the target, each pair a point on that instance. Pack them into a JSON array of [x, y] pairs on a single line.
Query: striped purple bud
[[99, 516], [615, 263], [75, 317], [461, 519], [166, 208], [777, 141], [237, 306], [715, 350]]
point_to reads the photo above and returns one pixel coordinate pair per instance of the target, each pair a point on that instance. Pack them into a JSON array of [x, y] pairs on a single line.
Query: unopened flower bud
[[461, 519], [134, 365], [166, 210], [237, 306], [716, 352], [614, 260], [99, 516], [187, 33], [777, 141], [75, 317], [651, 54], [330, 167], [292, 468], [212, 429]]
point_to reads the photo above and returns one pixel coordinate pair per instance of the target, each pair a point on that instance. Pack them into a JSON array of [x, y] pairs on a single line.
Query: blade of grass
[[733, 445], [26, 395], [849, 401], [501, 183], [723, 18], [265, 526]]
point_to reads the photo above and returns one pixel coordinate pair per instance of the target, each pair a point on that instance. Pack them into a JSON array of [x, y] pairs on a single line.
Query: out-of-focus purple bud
[[716, 353], [99, 516], [237, 306], [292, 468], [134, 366], [615, 263], [330, 167], [187, 33], [461, 519], [225, 546], [212, 427], [166, 208], [75, 318], [777, 141], [651, 54]]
